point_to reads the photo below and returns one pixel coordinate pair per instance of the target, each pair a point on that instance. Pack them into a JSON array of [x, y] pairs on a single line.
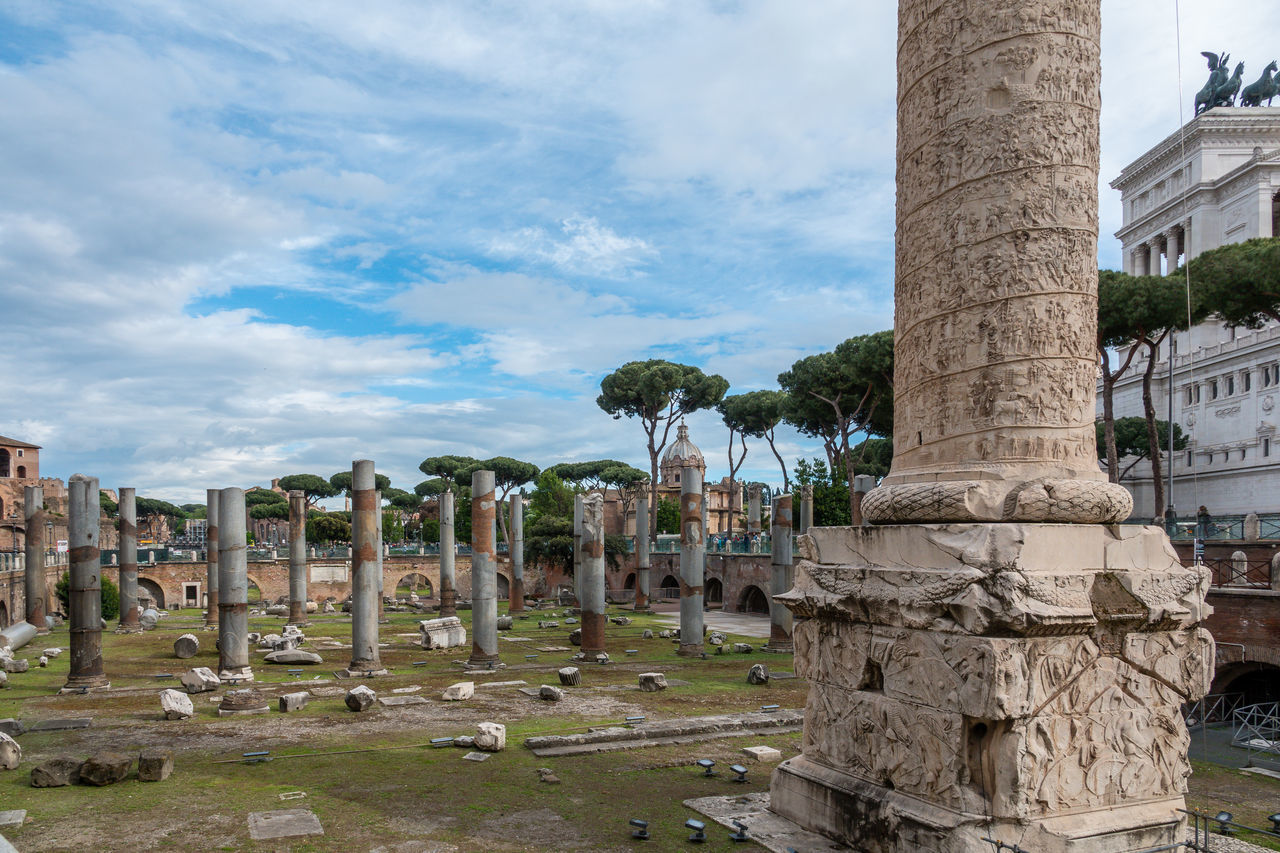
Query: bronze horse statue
[[1225, 95], [1266, 87]]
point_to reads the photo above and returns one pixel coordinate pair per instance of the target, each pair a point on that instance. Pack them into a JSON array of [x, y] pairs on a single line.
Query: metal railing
[[1203, 828], [1257, 728], [1222, 528], [1249, 573], [1214, 708]]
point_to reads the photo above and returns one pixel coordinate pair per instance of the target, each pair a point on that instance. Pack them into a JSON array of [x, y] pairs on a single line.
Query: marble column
[[211, 617], [1153, 263], [448, 581], [85, 593], [780, 618], [994, 656], [593, 596], [127, 511], [806, 507], [35, 575], [515, 602], [297, 558], [577, 548], [642, 552], [753, 509], [484, 572], [366, 582], [233, 588], [693, 552]]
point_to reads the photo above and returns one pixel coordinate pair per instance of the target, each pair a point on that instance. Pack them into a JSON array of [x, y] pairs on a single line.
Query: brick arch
[[4, 615], [714, 591], [753, 600], [157, 592], [430, 587]]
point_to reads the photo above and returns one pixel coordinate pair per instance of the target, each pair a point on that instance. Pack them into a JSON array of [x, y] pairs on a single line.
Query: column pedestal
[[1016, 681]]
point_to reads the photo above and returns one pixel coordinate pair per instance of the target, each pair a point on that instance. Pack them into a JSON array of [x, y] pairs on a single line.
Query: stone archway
[[669, 589], [630, 582], [414, 583], [504, 586], [714, 591], [4, 462], [254, 592], [153, 591], [753, 600], [4, 616], [1255, 682]]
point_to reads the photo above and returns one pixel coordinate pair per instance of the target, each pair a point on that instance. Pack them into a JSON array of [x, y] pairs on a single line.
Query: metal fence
[[1257, 729], [1249, 573], [1221, 528], [1214, 708]]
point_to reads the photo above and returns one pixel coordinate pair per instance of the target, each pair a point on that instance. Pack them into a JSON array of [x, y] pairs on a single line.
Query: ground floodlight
[[706, 764], [741, 834], [1224, 823], [1275, 822], [740, 770], [699, 830], [641, 830], [768, 708], [635, 721]]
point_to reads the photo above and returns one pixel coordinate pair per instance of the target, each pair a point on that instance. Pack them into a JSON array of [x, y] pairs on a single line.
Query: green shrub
[[110, 596]]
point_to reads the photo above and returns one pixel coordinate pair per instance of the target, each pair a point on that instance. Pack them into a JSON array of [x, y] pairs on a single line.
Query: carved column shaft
[[693, 554], [484, 571], [34, 573], [211, 558], [996, 266], [642, 553]]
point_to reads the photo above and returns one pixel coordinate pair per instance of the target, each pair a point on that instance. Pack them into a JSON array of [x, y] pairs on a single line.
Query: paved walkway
[[746, 624]]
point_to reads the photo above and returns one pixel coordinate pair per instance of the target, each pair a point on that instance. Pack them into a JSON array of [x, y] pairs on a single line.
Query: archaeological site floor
[[373, 780]]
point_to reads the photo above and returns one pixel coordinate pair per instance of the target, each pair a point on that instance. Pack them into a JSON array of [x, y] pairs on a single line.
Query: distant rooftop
[[13, 442]]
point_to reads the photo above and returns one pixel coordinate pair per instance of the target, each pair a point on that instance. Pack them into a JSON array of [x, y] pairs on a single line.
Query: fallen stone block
[[4, 678], [293, 701], [491, 737], [458, 692], [762, 753], [200, 680], [652, 682], [743, 648], [52, 652], [186, 646], [285, 823], [10, 753], [55, 773], [17, 665], [148, 619], [12, 727], [329, 608], [545, 774], [176, 705], [360, 698], [548, 624], [105, 768], [312, 607], [155, 764], [570, 676], [620, 620], [464, 741], [44, 660], [444, 633], [505, 623], [293, 656], [243, 701], [716, 638], [575, 636], [758, 674], [13, 817], [646, 634], [549, 693]]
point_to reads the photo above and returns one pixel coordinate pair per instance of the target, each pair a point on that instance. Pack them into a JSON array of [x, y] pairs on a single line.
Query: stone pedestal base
[[239, 673], [1015, 681], [360, 673], [128, 629], [85, 685]]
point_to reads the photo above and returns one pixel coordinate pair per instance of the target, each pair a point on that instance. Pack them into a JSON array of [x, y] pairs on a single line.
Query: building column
[[515, 602], [85, 605], [753, 509], [211, 558], [127, 523], [484, 572], [1172, 247], [642, 553], [780, 618], [577, 548], [593, 606], [233, 588], [297, 558], [34, 574], [366, 582], [693, 553], [448, 581], [806, 507], [1153, 257]]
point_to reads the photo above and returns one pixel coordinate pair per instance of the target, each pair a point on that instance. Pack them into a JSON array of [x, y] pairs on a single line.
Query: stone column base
[[91, 684], [876, 819], [1019, 681], [360, 673], [239, 673]]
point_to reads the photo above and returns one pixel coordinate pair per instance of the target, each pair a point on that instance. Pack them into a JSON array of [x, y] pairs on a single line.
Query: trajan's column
[[996, 657]]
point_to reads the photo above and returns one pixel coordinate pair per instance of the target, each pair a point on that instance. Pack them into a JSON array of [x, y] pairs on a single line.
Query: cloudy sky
[[245, 238]]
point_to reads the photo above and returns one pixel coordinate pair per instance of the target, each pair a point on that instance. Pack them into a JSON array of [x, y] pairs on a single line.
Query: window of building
[[19, 451], [1266, 376], [1197, 387], [1247, 379], [1190, 462], [1231, 385], [1266, 447], [1213, 389], [1244, 451], [1190, 398], [1210, 462]]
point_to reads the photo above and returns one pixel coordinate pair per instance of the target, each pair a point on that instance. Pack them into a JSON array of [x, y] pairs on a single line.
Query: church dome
[[681, 453]]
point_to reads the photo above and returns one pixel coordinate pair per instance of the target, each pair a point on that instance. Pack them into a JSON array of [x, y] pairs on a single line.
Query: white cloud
[[590, 249]]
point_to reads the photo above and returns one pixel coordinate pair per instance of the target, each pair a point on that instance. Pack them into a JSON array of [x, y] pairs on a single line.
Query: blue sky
[[245, 239]]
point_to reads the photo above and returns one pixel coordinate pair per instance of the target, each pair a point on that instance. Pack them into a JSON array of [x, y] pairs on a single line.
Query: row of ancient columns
[[1144, 258]]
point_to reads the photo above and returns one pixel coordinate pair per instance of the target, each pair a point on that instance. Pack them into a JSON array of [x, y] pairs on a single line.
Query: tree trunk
[[849, 466], [786, 483], [1109, 417], [1153, 436], [653, 489]]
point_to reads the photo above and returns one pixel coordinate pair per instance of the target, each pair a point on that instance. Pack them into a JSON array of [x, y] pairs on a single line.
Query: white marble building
[[1216, 183]]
